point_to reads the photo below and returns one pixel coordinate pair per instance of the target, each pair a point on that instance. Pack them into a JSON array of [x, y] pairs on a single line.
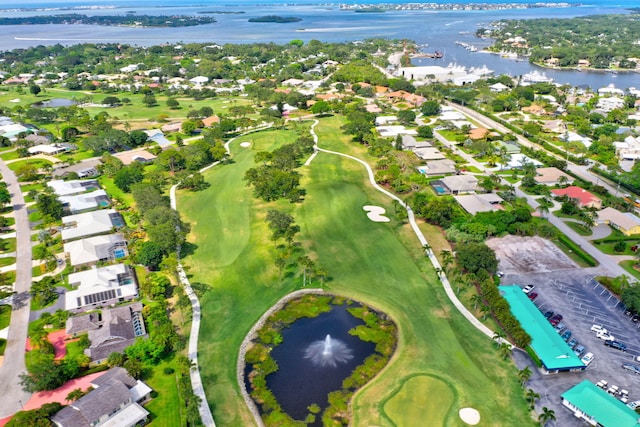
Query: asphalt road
[[13, 397]]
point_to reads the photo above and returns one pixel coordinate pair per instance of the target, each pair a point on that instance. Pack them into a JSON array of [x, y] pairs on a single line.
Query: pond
[[316, 355], [54, 102]]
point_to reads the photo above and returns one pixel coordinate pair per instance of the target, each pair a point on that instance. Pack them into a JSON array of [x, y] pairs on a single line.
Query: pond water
[[54, 102], [312, 365]]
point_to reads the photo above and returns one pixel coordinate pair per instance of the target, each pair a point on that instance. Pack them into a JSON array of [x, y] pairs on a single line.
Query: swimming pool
[[119, 253], [439, 189]]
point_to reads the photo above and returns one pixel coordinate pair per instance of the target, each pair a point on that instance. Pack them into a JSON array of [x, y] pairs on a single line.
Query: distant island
[[276, 19], [371, 10], [221, 12], [114, 20]]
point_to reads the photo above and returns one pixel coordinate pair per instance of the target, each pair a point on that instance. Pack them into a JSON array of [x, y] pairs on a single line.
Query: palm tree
[[531, 397], [307, 264], [476, 300], [524, 375], [544, 205], [485, 309], [588, 219], [498, 337], [447, 259], [505, 350], [546, 416], [427, 248]]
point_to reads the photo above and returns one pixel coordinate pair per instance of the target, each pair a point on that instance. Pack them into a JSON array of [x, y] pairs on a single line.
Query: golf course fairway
[[230, 261]]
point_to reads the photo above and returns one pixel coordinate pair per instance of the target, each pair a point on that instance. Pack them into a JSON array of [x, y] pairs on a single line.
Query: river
[[439, 29]]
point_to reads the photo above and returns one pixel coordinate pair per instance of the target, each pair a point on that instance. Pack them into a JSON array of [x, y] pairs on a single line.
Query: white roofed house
[[610, 103], [66, 188], [90, 224], [85, 202], [91, 250], [100, 286], [498, 87], [199, 80]]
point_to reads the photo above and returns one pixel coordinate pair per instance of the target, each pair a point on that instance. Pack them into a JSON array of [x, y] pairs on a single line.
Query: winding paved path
[[196, 380], [13, 397], [423, 240]]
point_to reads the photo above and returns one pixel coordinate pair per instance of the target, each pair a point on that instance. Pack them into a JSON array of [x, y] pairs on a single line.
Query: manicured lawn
[[8, 245], [38, 163], [380, 264], [609, 247], [7, 261], [421, 397], [165, 407], [629, 266], [5, 316], [11, 155], [579, 228], [113, 191]]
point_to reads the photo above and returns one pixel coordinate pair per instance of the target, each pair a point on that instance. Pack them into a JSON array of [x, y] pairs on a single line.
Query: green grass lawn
[[38, 163], [7, 261], [579, 228], [380, 264], [165, 407], [8, 245], [628, 265], [5, 316], [11, 155]]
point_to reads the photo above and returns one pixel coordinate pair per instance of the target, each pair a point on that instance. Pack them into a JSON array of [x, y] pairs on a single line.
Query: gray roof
[[90, 408], [460, 182], [116, 333], [116, 373], [83, 323]]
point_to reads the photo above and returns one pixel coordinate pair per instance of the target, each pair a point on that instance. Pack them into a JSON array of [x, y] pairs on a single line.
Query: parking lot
[[582, 302]]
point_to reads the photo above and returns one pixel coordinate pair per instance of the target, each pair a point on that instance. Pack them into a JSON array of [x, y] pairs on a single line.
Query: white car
[[605, 336], [528, 289], [599, 329], [587, 358]]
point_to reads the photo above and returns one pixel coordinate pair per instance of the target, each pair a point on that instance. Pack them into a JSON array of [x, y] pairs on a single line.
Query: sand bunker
[[375, 213], [245, 144], [469, 416]]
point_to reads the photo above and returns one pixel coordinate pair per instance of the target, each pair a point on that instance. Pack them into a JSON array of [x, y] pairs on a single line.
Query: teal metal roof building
[[597, 407], [553, 351]]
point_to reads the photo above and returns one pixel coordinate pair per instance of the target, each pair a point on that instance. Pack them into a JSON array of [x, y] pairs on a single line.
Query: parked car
[[548, 314], [532, 295], [560, 326], [555, 319], [572, 343], [528, 289], [605, 336], [616, 344], [579, 350], [613, 390], [635, 318], [599, 328], [633, 405], [602, 383], [628, 312], [500, 274], [566, 335], [631, 367]]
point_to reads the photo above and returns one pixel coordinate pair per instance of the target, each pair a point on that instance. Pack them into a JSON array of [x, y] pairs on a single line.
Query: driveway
[[13, 397]]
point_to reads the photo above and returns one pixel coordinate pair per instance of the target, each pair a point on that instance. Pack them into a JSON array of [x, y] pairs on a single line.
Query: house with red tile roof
[[583, 198]]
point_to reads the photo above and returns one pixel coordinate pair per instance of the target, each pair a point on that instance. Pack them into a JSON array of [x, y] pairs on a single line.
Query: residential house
[[110, 330], [139, 155], [626, 222], [76, 186], [172, 127], [554, 126], [574, 137], [478, 133], [474, 203], [582, 197], [428, 153], [509, 147], [199, 80], [610, 103], [90, 224], [552, 176], [409, 142], [629, 149], [85, 169], [210, 121], [115, 401], [596, 407], [498, 87], [385, 120], [49, 149], [393, 131], [518, 160], [610, 90], [91, 250], [460, 184], [100, 286], [85, 202], [157, 136], [438, 168]]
